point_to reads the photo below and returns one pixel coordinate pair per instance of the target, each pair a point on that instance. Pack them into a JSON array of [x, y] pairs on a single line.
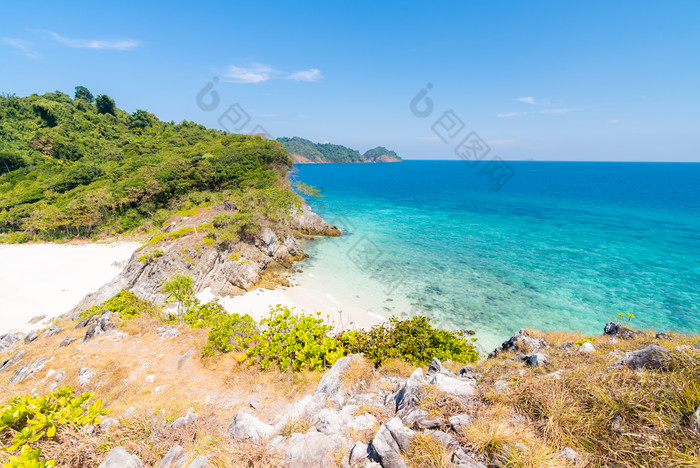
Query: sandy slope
[[49, 279]]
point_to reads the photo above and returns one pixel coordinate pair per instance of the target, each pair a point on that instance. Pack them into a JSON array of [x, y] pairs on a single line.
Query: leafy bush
[[180, 288], [148, 257], [181, 233], [26, 419], [414, 340], [125, 304], [295, 342], [229, 332]]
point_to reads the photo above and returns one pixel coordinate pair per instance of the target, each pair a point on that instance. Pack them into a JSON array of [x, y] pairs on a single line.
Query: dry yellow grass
[[425, 451], [396, 367]]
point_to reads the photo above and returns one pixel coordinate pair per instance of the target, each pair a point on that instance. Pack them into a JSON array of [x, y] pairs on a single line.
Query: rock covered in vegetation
[[309, 223], [620, 331], [520, 342]]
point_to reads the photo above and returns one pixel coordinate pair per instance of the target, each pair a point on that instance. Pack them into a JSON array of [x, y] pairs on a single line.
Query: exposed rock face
[[651, 357], [586, 347], [99, 324], [312, 450], [310, 223], [182, 422], [9, 339], [7, 363], [520, 342], [27, 370], [225, 272], [120, 458], [247, 426], [175, 457]]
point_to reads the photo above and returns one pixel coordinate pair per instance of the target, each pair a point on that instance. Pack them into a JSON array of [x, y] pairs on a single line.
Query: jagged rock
[[651, 357], [330, 421], [99, 325], [445, 439], [330, 388], [566, 346], [407, 398], [436, 367], [695, 420], [199, 462], [183, 359], [362, 422], [429, 423], [460, 420], [586, 347], [36, 319], [401, 434], [459, 387], [7, 340], [520, 342], [410, 418], [664, 336], [7, 363], [359, 454], [60, 375], [308, 222], [168, 331], [462, 460], [66, 341], [312, 449], [84, 375], [536, 360], [120, 458], [108, 423], [247, 426], [182, 422], [173, 458], [52, 330], [387, 449], [466, 371], [570, 455], [31, 336], [619, 330], [27, 370]]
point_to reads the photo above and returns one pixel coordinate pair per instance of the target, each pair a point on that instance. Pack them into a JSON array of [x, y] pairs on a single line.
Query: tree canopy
[[69, 167]]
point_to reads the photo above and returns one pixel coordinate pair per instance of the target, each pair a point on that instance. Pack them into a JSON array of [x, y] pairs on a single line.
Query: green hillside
[[304, 151], [82, 167]]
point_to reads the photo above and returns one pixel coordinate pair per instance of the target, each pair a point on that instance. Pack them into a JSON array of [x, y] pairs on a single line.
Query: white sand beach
[[50, 279]]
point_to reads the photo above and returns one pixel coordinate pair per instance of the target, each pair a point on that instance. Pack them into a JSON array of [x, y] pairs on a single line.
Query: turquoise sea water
[[562, 246]]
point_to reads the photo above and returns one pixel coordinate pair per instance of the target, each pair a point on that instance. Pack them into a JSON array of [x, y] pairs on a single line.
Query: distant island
[[303, 151]]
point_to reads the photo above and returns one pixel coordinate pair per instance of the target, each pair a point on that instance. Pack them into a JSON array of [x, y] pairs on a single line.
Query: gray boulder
[[459, 421], [108, 423], [651, 357], [52, 330], [331, 385], [331, 421], [31, 336], [570, 455], [199, 462], [407, 398], [536, 360], [7, 363], [462, 460], [586, 347], [247, 426], [7, 340], [447, 440], [359, 454], [312, 450], [27, 370], [460, 387], [307, 222], [66, 341], [120, 458], [184, 421], [387, 449], [401, 434], [99, 325], [566, 346], [175, 456]]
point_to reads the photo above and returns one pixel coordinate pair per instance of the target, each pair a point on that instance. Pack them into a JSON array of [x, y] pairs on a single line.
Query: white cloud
[[557, 111], [124, 44], [508, 114], [21, 47], [313, 75], [528, 100], [259, 73], [255, 73]]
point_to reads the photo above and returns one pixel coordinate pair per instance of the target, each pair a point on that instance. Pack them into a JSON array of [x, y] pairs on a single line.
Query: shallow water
[[561, 246]]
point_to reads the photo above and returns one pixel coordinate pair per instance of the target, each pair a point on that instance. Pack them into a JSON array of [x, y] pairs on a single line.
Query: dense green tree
[[105, 104], [140, 119], [81, 92]]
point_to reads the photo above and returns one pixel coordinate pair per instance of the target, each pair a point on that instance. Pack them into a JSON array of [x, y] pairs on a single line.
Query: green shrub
[[180, 289], [203, 315], [414, 340], [181, 233], [26, 419], [229, 332], [125, 304], [150, 256], [294, 342]]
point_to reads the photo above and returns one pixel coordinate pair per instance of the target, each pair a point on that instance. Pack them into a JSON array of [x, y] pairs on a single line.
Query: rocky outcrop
[[225, 271], [618, 330], [651, 357], [521, 342], [120, 458]]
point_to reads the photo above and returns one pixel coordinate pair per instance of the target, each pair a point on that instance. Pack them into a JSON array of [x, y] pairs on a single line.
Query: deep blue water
[[561, 246]]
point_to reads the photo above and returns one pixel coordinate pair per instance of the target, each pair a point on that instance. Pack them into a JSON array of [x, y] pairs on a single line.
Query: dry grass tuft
[[295, 425], [360, 375], [439, 403], [397, 368], [247, 454], [425, 451]]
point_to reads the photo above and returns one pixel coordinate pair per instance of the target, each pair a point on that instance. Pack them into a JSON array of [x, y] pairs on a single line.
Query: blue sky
[[536, 80]]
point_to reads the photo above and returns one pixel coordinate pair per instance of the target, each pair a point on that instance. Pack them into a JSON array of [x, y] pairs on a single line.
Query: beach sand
[[50, 279]]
